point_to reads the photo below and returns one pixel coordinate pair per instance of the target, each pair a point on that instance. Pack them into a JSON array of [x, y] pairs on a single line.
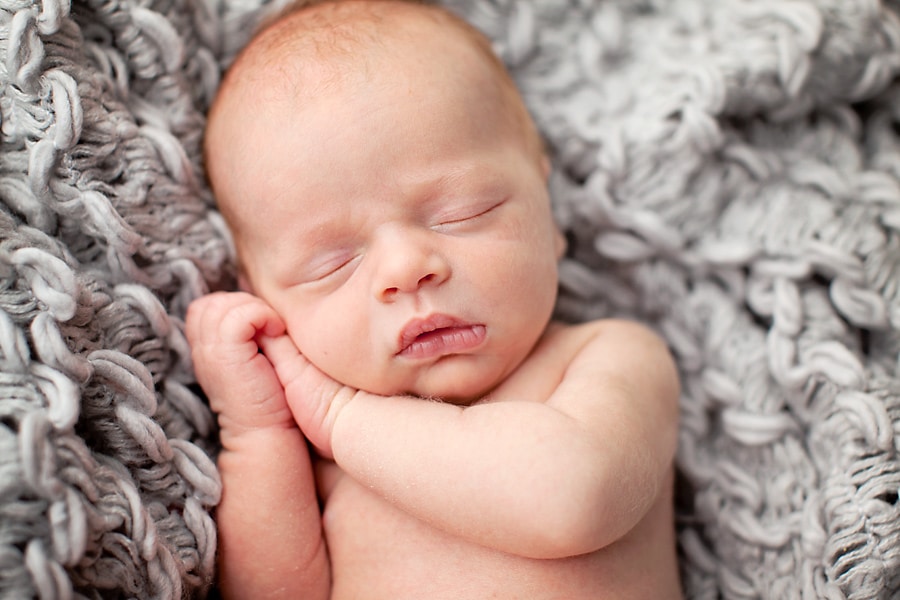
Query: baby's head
[[385, 187]]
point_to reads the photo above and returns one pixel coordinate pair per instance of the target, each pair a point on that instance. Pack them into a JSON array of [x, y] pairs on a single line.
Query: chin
[[467, 390], [461, 379]]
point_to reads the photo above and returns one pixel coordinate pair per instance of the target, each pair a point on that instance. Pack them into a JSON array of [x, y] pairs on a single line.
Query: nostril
[[389, 294]]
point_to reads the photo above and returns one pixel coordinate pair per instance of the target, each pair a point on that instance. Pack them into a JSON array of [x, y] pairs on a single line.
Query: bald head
[[339, 33], [324, 49]]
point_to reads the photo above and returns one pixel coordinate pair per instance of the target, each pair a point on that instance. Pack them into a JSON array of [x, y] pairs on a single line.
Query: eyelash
[[332, 270], [470, 217]]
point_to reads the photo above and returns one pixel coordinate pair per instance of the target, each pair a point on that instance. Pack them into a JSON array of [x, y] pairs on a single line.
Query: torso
[[379, 552]]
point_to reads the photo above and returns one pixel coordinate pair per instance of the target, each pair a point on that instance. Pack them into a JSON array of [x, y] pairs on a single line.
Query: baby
[[400, 418]]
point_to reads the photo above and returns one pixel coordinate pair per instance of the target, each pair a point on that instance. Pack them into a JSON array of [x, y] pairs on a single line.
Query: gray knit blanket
[[727, 171]]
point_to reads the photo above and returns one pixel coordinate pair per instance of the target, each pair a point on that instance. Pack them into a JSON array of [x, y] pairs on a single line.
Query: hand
[[226, 331], [315, 399], [265, 463]]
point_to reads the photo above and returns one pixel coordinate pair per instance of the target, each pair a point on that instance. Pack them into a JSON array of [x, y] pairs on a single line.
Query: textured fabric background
[[727, 171]]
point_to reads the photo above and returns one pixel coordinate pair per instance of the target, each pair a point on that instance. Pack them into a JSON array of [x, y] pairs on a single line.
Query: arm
[[269, 526], [544, 480]]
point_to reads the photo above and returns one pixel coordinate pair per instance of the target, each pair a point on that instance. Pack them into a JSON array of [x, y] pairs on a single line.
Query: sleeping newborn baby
[[400, 417]]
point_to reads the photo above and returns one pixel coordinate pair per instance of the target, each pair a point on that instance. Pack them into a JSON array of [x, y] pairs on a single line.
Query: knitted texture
[[106, 476], [726, 171]]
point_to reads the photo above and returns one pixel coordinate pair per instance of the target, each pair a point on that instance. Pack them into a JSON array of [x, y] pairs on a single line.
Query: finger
[[196, 314], [205, 313], [282, 353], [245, 321], [235, 317]]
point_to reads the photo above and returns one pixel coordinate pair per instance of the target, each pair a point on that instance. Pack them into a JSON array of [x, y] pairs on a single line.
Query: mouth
[[439, 335]]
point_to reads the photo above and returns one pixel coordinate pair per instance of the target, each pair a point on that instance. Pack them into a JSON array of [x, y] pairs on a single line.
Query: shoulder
[[603, 334], [617, 354]]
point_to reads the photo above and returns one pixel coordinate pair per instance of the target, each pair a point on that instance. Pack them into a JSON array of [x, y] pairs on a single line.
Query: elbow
[[556, 540], [571, 531], [585, 520]]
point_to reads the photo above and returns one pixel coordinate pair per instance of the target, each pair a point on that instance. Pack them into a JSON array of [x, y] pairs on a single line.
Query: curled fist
[[225, 331], [254, 375]]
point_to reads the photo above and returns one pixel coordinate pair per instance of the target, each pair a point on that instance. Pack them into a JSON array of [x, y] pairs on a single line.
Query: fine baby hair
[[724, 171]]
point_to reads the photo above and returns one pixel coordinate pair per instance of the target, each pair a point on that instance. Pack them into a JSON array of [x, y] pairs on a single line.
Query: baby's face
[[400, 225]]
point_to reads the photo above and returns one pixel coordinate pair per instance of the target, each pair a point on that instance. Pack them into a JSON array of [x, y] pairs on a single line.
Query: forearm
[[516, 476], [269, 524]]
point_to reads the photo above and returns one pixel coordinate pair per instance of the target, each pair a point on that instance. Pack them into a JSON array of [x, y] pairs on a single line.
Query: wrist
[[238, 438]]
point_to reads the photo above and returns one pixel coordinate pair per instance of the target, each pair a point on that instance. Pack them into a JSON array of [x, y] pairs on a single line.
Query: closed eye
[[473, 213], [332, 268]]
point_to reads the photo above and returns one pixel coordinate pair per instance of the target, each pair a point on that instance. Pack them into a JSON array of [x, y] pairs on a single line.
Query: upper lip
[[416, 327]]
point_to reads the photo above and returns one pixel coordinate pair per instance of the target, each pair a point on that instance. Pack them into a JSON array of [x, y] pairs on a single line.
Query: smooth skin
[[399, 271]]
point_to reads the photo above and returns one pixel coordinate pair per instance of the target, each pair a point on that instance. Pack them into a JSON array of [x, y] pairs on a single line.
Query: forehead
[[382, 140], [307, 63]]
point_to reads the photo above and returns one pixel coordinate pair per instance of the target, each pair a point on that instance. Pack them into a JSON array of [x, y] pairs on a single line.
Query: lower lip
[[445, 341]]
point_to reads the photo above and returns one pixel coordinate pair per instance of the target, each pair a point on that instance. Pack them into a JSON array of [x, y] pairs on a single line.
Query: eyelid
[[331, 265], [472, 211]]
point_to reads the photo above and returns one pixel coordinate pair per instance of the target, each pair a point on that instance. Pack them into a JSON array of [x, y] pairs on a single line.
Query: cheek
[[332, 335], [516, 279], [528, 262]]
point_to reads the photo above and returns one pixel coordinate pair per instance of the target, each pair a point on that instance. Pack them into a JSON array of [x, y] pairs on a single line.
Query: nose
[[407, 262]]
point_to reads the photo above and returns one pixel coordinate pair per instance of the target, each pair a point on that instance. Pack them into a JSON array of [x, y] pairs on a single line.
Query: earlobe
[[546, 167], [560, 243]]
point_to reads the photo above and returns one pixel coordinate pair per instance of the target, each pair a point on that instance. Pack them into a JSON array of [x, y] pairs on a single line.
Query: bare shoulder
[[605, 335], [572, 363], [617, 354]]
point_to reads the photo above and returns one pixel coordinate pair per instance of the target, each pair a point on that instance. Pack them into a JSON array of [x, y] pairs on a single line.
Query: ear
[[546, 167], [559, 243]]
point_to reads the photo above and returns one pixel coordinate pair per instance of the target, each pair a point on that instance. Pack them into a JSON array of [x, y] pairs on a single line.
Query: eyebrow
[[470, 176], [424, 193]]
